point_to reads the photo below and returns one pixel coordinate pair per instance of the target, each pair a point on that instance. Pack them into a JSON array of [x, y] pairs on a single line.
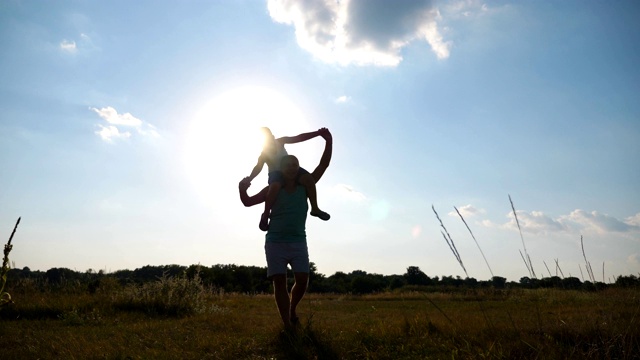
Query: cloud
[[115, 120], [467, 211], [535, 222], [361, 32], [577, 220], [633, 220], [343, 99], [601, 222], [112, 117], [108, 133], [465, 8], [84, 44], [68, 46], [347, 191]]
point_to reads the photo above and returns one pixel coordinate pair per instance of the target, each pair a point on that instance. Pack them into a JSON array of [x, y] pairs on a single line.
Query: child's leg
[[310, 185], [272, 194]]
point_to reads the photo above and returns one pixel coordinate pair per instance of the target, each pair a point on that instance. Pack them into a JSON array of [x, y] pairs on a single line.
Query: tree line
[[253, 279]]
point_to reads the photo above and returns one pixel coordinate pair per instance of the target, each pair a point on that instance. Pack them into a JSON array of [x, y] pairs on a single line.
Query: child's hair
[[265, 130]]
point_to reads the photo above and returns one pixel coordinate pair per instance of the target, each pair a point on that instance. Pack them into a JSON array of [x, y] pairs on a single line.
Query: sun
[[224, 140]]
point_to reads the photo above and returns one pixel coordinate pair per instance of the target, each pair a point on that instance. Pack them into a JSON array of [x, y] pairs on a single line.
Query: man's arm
[[326, 155], [251, 200]]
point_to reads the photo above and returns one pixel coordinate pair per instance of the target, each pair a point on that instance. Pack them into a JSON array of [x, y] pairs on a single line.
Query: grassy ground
[[530, 324]]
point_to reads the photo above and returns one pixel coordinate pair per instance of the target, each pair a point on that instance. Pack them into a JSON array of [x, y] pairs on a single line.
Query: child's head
[[268, 141]]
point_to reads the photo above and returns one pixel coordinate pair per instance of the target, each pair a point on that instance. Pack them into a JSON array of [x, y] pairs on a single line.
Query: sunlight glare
[[224, 139]]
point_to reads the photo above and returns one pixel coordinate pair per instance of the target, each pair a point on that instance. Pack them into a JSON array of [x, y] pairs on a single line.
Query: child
[[272, 153]]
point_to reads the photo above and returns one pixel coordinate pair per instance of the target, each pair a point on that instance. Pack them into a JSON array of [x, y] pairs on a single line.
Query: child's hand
[[244, 184], [324, 132]]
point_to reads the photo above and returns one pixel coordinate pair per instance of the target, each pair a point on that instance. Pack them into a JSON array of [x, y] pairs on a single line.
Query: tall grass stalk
[[545, 265], [450, 242], [5, 297], [587, 263], [529, 265], [474, 239], [558, 268]]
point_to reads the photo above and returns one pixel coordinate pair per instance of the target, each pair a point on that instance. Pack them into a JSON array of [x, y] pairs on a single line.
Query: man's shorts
[[281, 254], [276, 176]]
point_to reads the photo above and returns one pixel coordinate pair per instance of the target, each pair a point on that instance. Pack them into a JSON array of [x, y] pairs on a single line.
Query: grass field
[[183, 320]]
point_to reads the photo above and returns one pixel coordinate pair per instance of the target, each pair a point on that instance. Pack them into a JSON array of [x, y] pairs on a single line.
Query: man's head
[[289, 166]]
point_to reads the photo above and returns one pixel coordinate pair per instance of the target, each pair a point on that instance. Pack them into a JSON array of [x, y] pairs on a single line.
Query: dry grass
[[544, 324]]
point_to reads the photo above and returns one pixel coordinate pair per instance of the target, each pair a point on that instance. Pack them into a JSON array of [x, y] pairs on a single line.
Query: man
[[286, 242]]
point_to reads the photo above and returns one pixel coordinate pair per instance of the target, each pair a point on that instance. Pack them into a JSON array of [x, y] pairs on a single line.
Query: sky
[[125, 128]]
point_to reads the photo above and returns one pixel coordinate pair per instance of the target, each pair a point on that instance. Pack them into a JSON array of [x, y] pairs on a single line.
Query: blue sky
[[126, 126]]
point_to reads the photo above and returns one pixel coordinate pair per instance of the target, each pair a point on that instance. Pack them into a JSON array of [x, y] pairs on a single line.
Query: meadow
[[181, 318]]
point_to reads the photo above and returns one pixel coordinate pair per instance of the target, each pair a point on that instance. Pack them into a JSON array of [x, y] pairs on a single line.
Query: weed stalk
[[5, 297]]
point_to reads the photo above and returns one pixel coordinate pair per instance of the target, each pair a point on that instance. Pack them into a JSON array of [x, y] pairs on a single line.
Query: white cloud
[[578, 220], [633, 220], [112, 117], [347, 191], [84, 44], [68, 46], [343, 99], [601, 222], [117, 121], [108, 133], [535, 222], [467, 211], [361, 32], [148, 130]]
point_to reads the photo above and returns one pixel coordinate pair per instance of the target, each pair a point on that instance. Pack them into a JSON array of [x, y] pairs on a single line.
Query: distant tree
[[363, 284], [316, 280], [470, 282], [338, 283], [498, 282], [627, 281], [56, 276], [415, 276], [571, 283], [451, 281], [396, 281]]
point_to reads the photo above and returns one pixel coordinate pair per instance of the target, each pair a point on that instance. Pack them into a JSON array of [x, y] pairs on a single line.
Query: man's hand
[[244, 184]]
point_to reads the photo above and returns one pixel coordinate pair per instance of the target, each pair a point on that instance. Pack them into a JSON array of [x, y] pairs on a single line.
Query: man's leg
[[297, 293], [282, 298]]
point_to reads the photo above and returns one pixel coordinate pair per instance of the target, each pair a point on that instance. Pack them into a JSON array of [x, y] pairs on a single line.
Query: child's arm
[[256, 169], [251, 200], [298, 138]]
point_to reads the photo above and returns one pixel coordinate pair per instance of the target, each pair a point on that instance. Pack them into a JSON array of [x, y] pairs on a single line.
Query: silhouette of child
[[272, 154]]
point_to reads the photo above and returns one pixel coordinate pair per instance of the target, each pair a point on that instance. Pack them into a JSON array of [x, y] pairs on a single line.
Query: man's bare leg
[[282, 298], [297, 293]]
